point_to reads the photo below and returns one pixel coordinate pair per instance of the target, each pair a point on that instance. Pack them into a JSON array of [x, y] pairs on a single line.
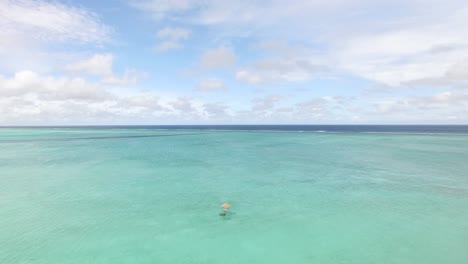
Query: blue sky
[[233, 62]]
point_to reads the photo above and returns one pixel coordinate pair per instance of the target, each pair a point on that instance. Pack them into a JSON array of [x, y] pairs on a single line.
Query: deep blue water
[[456, 129]]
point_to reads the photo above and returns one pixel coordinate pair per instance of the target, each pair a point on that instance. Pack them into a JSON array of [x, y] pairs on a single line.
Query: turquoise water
[[153, 196]]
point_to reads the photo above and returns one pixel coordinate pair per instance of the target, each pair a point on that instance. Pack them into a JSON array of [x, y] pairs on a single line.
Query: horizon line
[[204, 125]]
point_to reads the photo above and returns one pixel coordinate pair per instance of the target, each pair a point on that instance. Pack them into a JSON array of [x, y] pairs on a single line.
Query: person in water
[[225, 207], [225, 211]]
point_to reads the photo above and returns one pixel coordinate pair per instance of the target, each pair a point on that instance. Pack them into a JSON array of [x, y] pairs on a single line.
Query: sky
[[156, 62]]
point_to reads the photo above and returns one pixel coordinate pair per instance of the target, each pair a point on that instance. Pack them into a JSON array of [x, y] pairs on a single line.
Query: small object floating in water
[[225, 207]]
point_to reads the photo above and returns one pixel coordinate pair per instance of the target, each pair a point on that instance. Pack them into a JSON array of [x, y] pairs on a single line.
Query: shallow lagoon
[[153, 196]]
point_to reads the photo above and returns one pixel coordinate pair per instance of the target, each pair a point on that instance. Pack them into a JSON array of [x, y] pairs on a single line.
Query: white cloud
[[455, 76], [173, 33], [422, 104], [218, 58], [50, 21], [29, 84], [285, 69], [458, 71], [160, 9], [168, 45], [248, 77], [282, 61], [317, 109], [241, 13], [101, 65], [184, 106], [393, 43], [217, 111], [277, 108], [33, 33], [171, 38], [210, 85], [281, 48], [445, 107], [266, 103], [30, 98], [98, 65], [130, 76], [395, 57]]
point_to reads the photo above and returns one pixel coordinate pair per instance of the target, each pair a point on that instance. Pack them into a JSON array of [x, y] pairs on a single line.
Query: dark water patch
[[90, 138]]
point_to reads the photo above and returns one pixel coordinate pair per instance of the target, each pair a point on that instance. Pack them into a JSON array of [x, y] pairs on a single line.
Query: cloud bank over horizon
[[233, 62]]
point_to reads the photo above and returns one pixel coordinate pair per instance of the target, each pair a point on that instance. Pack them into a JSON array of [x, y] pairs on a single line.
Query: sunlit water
[[153, 196]]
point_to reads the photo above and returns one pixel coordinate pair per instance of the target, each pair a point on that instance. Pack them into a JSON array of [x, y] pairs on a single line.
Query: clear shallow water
[[152, 196]]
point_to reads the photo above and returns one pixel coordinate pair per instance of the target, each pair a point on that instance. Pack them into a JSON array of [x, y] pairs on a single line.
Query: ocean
[[298, 194]]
